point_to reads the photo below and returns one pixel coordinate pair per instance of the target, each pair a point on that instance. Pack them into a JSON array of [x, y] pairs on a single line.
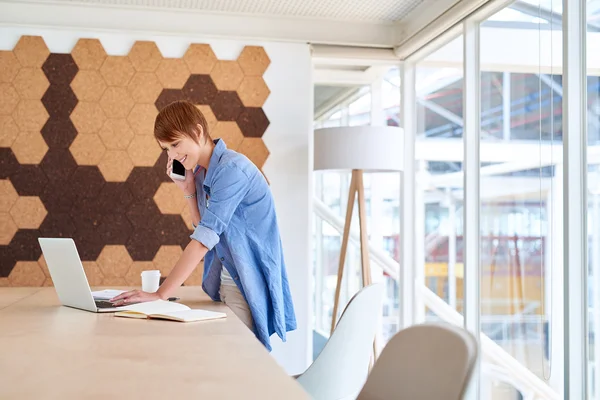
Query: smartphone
[[178, 171]]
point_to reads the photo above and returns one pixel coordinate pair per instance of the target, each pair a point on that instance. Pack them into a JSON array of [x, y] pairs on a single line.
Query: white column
[[553, 293], [506, 105], [451, 250], [575, 204], [471, 138], [596, 291], [407, 289], [420, 238], [319, 259]]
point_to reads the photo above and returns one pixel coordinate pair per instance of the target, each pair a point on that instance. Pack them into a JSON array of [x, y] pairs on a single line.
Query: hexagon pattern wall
[[78, 158]]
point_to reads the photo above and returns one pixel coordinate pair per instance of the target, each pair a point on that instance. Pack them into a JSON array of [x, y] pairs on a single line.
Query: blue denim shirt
[[239, 227]]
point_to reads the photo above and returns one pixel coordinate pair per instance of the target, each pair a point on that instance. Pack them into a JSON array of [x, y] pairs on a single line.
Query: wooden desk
[[52, 352]]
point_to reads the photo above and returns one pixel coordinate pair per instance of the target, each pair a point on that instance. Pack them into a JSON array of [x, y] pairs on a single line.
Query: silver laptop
[[69, 278]]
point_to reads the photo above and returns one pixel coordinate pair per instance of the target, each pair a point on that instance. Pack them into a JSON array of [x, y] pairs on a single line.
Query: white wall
[[288, 138]]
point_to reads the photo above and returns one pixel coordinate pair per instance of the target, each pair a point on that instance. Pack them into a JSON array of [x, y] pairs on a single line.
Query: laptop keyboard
[[104, 304]]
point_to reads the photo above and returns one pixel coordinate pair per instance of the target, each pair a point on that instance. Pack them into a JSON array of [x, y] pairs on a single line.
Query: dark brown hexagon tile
[[171, 229], [8, 163], [143, 244], [60, 69], [24, 245], [58, 164], [8, 261], [29, 180], [115, 197], [143, 182], [167, 96], [89, 246], [59, 133], [253, 122], [85, 214], [57, 225], [143, 213], [227, 106], [87, 181], [60, 101], [58, 197], [114, 229], [200, 89], [160, 168]]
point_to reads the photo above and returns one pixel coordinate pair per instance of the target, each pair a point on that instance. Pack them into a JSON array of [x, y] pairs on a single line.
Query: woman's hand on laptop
[[134, 296]]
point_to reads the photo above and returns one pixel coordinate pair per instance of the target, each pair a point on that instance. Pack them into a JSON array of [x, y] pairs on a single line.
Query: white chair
[[423, 362], [341, 368]]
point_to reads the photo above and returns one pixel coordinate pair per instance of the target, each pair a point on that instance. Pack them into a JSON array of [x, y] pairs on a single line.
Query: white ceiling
[[340, 10]]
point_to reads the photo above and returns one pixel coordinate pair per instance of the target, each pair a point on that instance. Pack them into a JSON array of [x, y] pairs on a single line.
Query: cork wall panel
[[78, 158]]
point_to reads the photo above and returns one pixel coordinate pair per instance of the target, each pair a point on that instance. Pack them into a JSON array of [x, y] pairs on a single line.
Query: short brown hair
[[180, 118]]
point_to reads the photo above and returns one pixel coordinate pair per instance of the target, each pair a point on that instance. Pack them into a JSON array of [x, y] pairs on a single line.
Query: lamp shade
[[369, 148]]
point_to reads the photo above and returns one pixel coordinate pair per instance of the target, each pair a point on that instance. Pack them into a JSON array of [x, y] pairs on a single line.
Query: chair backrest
[[423, 362], [341, 369]]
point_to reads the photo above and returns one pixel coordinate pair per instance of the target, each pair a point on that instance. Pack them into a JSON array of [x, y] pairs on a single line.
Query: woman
[[235, 225]]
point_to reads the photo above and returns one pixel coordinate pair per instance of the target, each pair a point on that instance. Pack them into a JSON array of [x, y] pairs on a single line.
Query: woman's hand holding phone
[[188, 185]]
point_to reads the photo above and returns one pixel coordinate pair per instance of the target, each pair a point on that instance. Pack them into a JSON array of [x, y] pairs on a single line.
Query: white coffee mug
[[150, 281]]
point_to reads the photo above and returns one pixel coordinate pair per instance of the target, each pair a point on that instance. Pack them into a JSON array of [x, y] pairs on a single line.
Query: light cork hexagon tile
[[166, 258], [141, 119], [209, 115], [145, 56], [253, 91], [87, 149], [172, 73], [114, 262], [255, 150], [9, 98], [30, 115], [253, 60], [134, 275], [115, 166], [8, 131], [117, 70], [116, 102], [28, 212], [29, 147], [31, 83], [26, 273], [93, 273], [200, 58], [4, 282], [31, 51], [9, 66], [116, 134], [144, 87], [195, 279], [227, 75], [230, 132], [169, 198], [143, 151], [89, 54], [88, 85], [88, 117], [8, 228], [8, 195]]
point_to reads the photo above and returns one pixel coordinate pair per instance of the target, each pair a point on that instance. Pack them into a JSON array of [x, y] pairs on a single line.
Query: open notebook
[[161, 309]]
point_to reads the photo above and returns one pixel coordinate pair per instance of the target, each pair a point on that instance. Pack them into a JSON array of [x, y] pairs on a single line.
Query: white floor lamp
[[357, 149]]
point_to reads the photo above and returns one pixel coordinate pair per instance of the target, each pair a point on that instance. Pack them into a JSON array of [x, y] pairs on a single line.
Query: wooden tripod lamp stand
[[357, 149]]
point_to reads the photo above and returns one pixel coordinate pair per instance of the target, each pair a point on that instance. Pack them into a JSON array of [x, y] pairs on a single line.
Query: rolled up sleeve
[[229, 186]]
